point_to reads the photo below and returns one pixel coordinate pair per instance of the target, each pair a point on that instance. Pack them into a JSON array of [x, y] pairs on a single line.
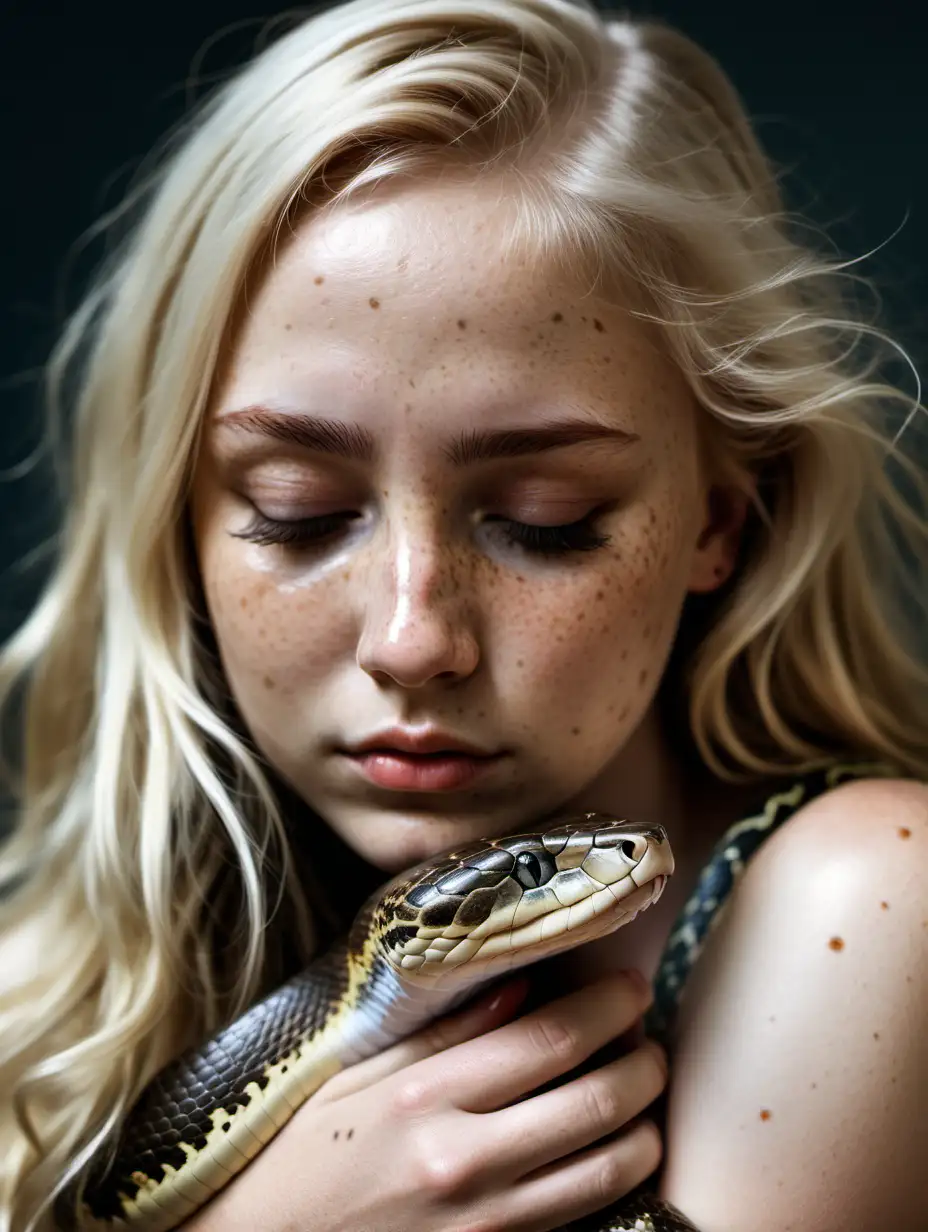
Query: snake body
[[424, 943]]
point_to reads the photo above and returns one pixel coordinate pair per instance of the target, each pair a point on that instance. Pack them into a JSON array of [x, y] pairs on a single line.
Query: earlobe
[[716, 549]]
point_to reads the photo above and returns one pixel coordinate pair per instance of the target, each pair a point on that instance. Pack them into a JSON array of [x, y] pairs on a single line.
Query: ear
[[715, 551]]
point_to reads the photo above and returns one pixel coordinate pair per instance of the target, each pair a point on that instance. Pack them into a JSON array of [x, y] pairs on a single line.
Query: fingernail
[[513, 994]]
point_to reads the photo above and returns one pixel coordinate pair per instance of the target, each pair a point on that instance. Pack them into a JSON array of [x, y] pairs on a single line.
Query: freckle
[[904, 832], [412, 383], [765, 1114], [814, 1085], [558, 316], [374, 303], [652, 516], [885, 906], [350, 1133], [876, 1035], [599, 325], [319, 280], [575, 731], [288, 326], [518, 662], [642, 676], [600, 595], [243, 604], [836, 944], [462, 325], [335, 1136], [269, 683]]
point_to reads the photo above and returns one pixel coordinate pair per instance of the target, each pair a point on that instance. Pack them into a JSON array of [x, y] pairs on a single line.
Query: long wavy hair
[[145, 818]]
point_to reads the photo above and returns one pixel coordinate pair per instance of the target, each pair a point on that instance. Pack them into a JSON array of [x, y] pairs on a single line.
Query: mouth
[[496, 947], [596, 916], [442, 770]]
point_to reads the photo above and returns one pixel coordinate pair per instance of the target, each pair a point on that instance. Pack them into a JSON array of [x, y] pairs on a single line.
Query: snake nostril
[[628, 848]]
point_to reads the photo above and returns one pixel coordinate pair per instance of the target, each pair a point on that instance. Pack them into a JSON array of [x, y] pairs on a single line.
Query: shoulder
[[801, 1056], [867, 827]]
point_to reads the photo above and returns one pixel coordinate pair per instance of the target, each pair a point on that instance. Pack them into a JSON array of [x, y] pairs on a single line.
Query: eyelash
[[579, 536]]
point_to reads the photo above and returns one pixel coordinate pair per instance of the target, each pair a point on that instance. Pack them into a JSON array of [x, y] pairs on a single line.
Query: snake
[[424, 943]]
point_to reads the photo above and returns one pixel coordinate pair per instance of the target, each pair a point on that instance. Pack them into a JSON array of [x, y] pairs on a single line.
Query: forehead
[[417, 299]]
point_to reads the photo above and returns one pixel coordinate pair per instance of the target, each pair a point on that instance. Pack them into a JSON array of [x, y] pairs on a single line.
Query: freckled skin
[[419, 610]]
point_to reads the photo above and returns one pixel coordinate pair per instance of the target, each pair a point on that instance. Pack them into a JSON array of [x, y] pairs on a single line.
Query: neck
[[645, 783], [651, 782]]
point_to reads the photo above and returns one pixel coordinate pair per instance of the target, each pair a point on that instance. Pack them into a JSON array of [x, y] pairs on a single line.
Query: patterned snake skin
[[235, 1091], [420, 946]]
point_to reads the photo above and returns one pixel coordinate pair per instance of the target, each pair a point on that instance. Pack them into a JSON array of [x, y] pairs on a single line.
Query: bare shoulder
[[845, 821], [801, 1061]]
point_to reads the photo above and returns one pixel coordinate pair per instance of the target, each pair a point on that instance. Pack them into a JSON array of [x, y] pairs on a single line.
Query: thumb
[[484, 1014]]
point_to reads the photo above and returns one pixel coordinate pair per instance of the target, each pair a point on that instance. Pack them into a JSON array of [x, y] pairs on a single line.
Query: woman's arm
[[799, 1096]]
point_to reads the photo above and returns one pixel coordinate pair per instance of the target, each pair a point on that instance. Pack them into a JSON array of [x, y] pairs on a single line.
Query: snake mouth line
[[602, 912]]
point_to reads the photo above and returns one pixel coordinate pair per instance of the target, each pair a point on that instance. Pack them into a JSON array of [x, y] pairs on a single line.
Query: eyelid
[[554, 511]]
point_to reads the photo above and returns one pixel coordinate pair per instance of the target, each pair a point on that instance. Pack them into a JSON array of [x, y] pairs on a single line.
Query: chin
[[394, 840]]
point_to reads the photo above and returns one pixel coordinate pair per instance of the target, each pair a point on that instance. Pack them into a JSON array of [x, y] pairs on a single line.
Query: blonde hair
[[144, 812]]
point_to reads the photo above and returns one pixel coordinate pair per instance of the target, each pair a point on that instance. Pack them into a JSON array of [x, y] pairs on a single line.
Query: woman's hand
[[441, 1132]]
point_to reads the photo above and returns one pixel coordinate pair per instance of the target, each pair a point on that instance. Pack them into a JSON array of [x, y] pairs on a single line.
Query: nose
[[417, 623]]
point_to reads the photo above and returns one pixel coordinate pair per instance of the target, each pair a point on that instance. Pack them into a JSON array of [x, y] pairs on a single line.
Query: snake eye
[[533, 870]]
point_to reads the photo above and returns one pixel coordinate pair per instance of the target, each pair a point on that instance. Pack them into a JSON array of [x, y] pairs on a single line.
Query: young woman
[[462, 375]]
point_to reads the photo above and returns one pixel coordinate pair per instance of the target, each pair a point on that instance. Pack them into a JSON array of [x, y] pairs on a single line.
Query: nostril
[[628, 848]]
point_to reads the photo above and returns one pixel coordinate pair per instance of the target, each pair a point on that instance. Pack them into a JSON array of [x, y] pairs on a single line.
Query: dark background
[[87, 89]]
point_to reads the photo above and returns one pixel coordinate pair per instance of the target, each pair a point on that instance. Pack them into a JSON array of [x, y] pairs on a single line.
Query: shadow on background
[[838, 102]]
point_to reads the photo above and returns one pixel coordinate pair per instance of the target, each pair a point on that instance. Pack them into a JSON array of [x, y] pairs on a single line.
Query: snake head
[[498, 904]]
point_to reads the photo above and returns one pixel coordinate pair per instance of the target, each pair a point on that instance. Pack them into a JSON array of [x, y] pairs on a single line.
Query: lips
[[420, 759], [397, 741]]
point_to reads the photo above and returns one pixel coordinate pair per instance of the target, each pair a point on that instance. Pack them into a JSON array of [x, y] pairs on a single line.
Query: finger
[[548, 1127], [484, 1074], [486, 1013], [589, 1182]]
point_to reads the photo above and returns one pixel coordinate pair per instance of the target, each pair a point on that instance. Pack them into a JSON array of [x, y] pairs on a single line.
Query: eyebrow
[[357, 444]]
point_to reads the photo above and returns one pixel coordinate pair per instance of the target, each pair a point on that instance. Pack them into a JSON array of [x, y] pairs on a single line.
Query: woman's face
[[391, 378]]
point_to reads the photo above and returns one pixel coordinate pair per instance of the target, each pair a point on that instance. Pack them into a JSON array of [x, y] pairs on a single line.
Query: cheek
[[273, 635], [603, 643]]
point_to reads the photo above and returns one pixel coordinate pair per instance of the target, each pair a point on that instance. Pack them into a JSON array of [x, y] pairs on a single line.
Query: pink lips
[[420, 759], [401, 771]]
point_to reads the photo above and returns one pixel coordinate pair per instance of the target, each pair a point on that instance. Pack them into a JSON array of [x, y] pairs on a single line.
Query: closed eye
[[305, 533]]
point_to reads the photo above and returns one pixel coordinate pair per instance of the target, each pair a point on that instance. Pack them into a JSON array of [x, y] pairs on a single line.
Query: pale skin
[[402, 317]]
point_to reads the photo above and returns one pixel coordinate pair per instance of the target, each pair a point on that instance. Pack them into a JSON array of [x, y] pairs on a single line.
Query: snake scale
[[422, 944]]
